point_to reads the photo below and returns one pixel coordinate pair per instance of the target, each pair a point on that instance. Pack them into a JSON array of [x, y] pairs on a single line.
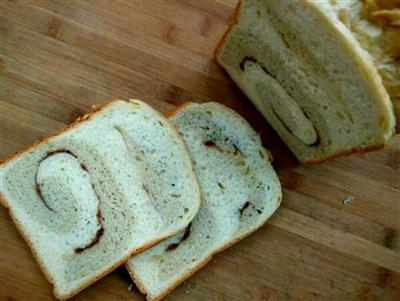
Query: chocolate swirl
[[291, 105], [54, 183], [185, 235]]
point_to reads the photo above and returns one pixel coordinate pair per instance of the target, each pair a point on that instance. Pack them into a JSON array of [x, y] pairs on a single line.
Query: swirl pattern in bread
[[111, 185], [309, 77]]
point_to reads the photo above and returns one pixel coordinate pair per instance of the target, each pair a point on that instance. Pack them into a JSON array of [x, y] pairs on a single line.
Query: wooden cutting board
[[58, 58]]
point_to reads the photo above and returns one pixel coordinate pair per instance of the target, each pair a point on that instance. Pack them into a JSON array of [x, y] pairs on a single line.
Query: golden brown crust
[[230, 26], [135, 279], [356, 151], [172, 113]]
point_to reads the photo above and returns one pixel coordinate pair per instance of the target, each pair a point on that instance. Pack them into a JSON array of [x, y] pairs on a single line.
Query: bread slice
[[239, 190], [110, 185], [308, 76]]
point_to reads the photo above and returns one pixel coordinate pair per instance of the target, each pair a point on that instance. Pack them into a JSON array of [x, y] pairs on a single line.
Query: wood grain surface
[[58, 58]]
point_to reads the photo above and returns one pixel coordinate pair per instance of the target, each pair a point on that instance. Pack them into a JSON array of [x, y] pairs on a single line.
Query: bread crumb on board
[[348, 200]]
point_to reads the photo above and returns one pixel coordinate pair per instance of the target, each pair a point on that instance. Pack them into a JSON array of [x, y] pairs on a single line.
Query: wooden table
[[58, 58]]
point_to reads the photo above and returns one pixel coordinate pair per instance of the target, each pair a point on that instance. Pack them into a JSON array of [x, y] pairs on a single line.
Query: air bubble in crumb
[[348, 200], [130, 287]]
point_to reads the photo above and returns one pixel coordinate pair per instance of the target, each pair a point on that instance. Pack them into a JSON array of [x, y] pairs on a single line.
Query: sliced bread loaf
[[112, 184], [239, 190], [308, 76]]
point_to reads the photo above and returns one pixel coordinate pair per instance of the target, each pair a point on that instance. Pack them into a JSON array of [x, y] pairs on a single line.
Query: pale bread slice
[[309, 77], [112, 184], [239, 190]]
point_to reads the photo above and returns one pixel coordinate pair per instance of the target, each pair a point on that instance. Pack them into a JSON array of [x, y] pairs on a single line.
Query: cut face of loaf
[[89, 197], [239, 191], [308, 76]]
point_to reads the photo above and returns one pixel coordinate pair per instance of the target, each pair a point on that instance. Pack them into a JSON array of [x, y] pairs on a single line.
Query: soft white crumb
[[130, 287]]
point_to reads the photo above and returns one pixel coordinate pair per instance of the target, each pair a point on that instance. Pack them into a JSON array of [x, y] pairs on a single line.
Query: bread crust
[[356, 151], [228, 30], [171, 113], [213, 252], [25, 236], [366, 68]]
